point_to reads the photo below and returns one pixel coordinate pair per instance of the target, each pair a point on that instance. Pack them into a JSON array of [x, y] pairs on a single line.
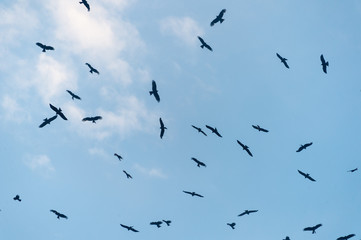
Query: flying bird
[[231, 225], [313, 229], [193, 194], [17, 198], [73, 95], [283, 60], [199, 130], [118, 156], [287, 238], [92, 69], [130, 228], [58, 214], [247, 212], [306, 175], [352, 170], [162, 128], [127, 174], [44, 47], [199, 163], [214, 130], [304, 146], [346, 237], [259, 128], [245, 147], [58, 111], [92, 119], [154, 91], [158, 223], [168, 222], [48, 121], [204, 44], [219, 18], [86, 4], [324, 64]]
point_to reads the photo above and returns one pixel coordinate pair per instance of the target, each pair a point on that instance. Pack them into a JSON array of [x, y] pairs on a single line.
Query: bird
[[162, 128], [128, 175], [199, 130], [199, 163], [283, 60], [218, 18], [214, 130], [73, 95], [118, 156], [130, 228], [346, 237], [17, 198], [154, 91], [247, 212], [287, 238], [259, 128], [92, 119], [245, 147], [352, 170], [204, 44], [306, 175], [58, 214], [86, 4], [158, 223], [313, 229], [168, 222], [324, 64], [231, 225], [92, 69], [58, 111], [44, 47], [193, 194], [304, 146], [48, 121]]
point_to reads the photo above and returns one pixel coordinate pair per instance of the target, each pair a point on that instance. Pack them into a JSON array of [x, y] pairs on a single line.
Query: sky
[[70, 165]]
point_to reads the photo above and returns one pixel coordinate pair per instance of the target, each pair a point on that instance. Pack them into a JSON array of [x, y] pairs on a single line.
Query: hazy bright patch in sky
[[69, 166]]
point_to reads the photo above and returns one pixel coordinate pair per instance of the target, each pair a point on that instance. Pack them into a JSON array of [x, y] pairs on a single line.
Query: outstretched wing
[[48, 47], [285, 63], [252, 211], [40, 45], [124, 226], [187, 192], [201, 39], [208, 47], [214, 21], [198, 195], [309, 177], [97, 118], [302, 173], [132, 229], [308, 229], [279, 56], [86, 4], [210, 128], [242, 145], [239, 215], [308, 144], [87, 119], [249, 152], [322, 59]]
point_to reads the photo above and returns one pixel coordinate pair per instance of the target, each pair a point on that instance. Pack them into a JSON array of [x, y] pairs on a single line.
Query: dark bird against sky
[[199, 130], [92, 69], [58, 111], [48, 121], [154, 91], [313, 229], [157, 223], [130, 228], [306, 175], [17, 198], [118, 156], [245, 147], [231, 225], [324, 64], [193, 194], [214, 130], [259, 128], [58, 214], [73, 95], [353, 170], [86, 4], [92, 119], [302, 147], [127, 174], [44, 47], [283, 60], [219, 18], [199, 163], [162, 128], [168, 222], [247, 212], [204, 44], [346, 237]]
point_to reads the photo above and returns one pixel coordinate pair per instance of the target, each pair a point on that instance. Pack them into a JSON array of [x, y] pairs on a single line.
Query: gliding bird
[[204, 44], [324, 64], [219, 18], [58, 112], [346, 237], [118, 156], [158, 223], [304, 146], [214, 130], [259, 128], [313, 229], [58, 214], [283, 60], [44, 47], [73, 95], [92, 69], [306, 175], [162, 128], [245, 147], [127, 174], [193, 194], [199, 163], [247, 212], [154, 91], [231, 225], [199, 130], [17, 198], [92, 119], [86, 4], [130, 228]]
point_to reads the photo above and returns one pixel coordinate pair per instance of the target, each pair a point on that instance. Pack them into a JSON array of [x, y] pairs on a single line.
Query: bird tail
[[327, 64], [43, 49], [221, 20], [202, 46], [150, 92], [91, 71]]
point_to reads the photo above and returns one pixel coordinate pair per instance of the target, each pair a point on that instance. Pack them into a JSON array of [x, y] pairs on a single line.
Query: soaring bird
[[245, 147], [283, 60], [219, 18], [247, 212], [214, 130], [58, 214], [127, 174], [168, 222], [154, 91], [287, 238], [193, 194], [118, 156], [44, 47], [92, 119], [162, 128], [157, 223], [17, 198], [313, 229], [346, 237], [324, 64], [92, 69], [199, 130], [48, 121], [306, 175], [58, 111], [259, 128], [199, 163], [304, 146], [130, 228], [352, 170], [204, 44], [86, 4], [73, 95], [231, 225]]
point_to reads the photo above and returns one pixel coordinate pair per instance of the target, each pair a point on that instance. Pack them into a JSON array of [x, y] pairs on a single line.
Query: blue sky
[[69, 165]]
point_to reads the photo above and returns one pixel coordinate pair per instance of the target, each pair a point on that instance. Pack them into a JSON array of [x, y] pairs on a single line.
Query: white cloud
[[11, 110], [151, 172], [41, 164], [97, 152]]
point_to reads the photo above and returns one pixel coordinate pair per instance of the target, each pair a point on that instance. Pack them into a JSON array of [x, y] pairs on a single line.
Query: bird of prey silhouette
[[346, 237], [306, 175], [231, 225], [313, 229], [304, 146], [92, 69], [193, 194], [219, 18], [154, 91], [130, 228], [283, 60], [127, 174], [44, 47], [352, 170], [287, 238], [86, 4], [259, 128], [48, 121], [73, 95], [245, 147], [204, 44], [158, 223], [17, 198], [92, 119], [118, 156], [214, 130], [168, 222], [58, 111], [58, 214], [247, 212], [162, 128], [199, 130], [324, 64], [199, 163]]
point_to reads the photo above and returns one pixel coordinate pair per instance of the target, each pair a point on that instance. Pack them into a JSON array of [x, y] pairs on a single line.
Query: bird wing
[[203, 132], [210, 128], [217, 133], [40, 44], [279, 56], [249, 152], [308, 229], [48, 47], [62, 115], [196, 127], [317, 226], [97, 118], [240, 144], [154, 86], [308, 144], [285, 63], [124, 226], [198, 195], [201, 39], [309, 177], [300, 148], [187, 192], [44, 123], [156, 95], [54, 108], [86, 119], [208, 47], [132, 229], [54, 211], [239, 215], [252, 211], [255, 127], [96, 71], [302, 173], [214, 21], [86, 4], [161, 123], [222, 13], [322, 59]]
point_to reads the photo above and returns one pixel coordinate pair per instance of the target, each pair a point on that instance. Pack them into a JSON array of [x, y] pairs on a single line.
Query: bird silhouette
[[92, 119], [231, 225], [324, 64], [130, 228], [214, 130], [168, 222], [352, 170], [306, 175], [58, 214], [162, 128], [259, 128], [86, 4], [118, 156], [127, 174], [199, 163], [48, 121], [219, 17], [204, 44], [283, 60], [44, 47], [158, 223], [154, 91], [58, 111], [17, 198], [245, 147], [287, 238], [199, 130], [302, 147], [313, 229], [73, 95], [193, 194], [346, 237], [92, 69], [247, 212]]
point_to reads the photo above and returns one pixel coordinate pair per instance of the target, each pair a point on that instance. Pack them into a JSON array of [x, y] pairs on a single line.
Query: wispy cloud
[[12, 111], [151, 172], [40, 164]]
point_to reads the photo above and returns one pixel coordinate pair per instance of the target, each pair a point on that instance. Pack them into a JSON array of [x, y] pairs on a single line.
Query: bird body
[[219, 17], [245, 147], [259, 128], [48, 121], [199, 163], [306, 175], [231, 225], [283, 60], [17, 198], [44, 47], [162, 128], [92, 69], [214, 130], [324, 64], [129, 228], [92, 119], [86, 4], [154, 91], [199, 130], [302, 147], [346, 237], [247, 212], [204, 44], [118, 156], [313, 229], [157, 223], [353, 170], [193, 194], [58, 214], [127, 174], [58, 111], [73, 95]]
